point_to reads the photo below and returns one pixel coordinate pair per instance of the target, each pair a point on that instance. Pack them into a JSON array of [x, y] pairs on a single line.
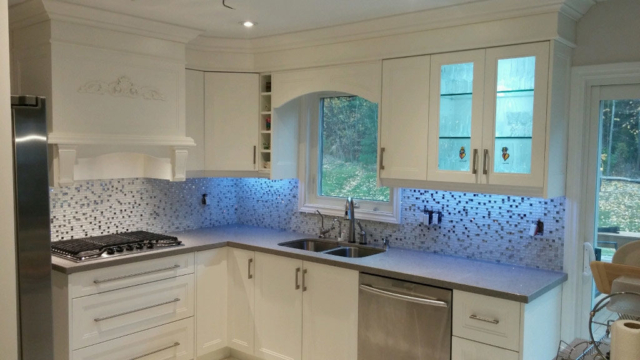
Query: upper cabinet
[[496, 123], [404, 118], [231, 114]]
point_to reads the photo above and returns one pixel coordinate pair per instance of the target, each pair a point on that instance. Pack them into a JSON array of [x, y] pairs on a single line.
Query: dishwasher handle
[[413, 299]]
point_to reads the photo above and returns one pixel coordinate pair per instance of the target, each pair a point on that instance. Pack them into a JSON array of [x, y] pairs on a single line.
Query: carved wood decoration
[[122, 87]]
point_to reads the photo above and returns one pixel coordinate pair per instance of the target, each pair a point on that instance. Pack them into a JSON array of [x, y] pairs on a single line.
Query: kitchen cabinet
[[455, 116], [329, 313], [278, 316], [404, 118], [497, 121], [485, 327], [241, 299], [211, 300], [232, 108]]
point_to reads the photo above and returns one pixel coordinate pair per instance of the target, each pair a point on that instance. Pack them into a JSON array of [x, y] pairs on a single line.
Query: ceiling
[[273, 17]]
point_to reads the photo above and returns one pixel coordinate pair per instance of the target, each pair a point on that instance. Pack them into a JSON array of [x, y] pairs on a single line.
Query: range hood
[[116, 86]]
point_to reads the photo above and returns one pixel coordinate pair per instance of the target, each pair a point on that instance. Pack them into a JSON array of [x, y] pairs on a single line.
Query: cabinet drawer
[[462, 349], [172, 341], [487, 320], [121, 276], [109, 315]]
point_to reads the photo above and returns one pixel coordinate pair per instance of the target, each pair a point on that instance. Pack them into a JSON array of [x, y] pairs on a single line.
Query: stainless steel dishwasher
[[403, 321]]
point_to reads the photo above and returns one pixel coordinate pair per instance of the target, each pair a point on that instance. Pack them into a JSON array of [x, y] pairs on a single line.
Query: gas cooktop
[[106, 246]]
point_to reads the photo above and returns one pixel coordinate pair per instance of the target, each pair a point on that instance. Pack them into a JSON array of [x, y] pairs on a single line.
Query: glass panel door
[[455, 117], [614, 184], [514, 142], [514, 115]]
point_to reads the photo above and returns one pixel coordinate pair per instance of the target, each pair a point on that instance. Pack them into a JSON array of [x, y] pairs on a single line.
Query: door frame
[[585, 83]]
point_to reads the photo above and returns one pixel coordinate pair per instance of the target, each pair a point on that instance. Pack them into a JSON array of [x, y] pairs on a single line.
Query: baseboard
[[216, 355]]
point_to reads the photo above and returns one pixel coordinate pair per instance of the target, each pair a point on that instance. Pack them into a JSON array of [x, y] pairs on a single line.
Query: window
[[342, 159], [348, 153]]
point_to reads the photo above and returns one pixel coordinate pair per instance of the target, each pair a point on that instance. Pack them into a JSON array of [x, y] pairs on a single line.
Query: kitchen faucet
[[349, 214]]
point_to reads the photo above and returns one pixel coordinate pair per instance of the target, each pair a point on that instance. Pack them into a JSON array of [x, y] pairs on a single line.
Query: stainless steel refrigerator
[[33, 233]]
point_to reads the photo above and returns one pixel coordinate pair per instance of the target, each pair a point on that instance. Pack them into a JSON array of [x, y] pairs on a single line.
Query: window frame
[[308, 200]]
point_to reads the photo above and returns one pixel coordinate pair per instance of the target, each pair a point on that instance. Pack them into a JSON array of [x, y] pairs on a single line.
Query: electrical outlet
[[425, 219]]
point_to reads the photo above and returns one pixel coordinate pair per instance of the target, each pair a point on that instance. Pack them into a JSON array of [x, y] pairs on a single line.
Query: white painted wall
[[8, 320], [608, 33]]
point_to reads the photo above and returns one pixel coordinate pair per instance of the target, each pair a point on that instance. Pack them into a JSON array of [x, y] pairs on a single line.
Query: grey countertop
[[509, 282]]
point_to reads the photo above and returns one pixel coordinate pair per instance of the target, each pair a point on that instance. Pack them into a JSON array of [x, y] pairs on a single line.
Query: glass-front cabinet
[[455, 116], [515, 115], [487, 116]]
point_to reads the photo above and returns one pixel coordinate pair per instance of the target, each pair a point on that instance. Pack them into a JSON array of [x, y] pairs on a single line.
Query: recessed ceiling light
[[248, 24]]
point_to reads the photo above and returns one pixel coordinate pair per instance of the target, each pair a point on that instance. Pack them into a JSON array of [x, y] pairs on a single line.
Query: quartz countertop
[[509, 282]]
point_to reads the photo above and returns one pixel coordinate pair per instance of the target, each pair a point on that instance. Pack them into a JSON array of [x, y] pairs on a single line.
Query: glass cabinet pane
[[514, 115], [456, 93]]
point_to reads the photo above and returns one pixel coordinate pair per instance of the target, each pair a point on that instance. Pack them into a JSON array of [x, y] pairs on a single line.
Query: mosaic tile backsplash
[[477, 226]]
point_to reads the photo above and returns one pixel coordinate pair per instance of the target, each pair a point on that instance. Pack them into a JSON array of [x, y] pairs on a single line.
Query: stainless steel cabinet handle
[[475, 162], [135, 310], [483, 319], [381, 158], [176, 344], [297, 277], [254, 155], [304, 280], [485, 169], [136, 274], [249, 268], [413, 299]]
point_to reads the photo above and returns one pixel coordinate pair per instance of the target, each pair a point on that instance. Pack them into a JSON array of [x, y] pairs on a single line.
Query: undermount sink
[[332, 248], [354, 252], [316, 245]]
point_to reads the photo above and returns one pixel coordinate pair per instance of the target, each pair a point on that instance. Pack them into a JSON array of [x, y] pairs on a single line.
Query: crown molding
[[464, 14], [34, 11]]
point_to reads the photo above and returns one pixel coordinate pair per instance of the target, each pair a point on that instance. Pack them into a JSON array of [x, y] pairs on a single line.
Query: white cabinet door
[[404, 118], [241, 301], [330, 313], [463, 349], [515, 115], [455, 116], [211, 300], [231, 121], [278, 307]]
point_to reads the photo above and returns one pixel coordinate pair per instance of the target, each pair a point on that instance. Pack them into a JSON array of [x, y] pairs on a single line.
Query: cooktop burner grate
[[111, 245]]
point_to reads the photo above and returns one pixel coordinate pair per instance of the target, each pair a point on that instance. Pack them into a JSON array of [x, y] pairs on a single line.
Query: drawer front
[[121, 276], [172, 341], [487, 320], [463, 349], [109, 315]]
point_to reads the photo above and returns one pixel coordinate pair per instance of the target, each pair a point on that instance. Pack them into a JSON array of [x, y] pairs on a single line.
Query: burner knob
[[119, 249], [139, 246], [129, 247], [110, 251], [150, 246]]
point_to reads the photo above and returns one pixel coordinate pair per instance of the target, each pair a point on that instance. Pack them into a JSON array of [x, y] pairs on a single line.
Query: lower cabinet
[[463, 349], [211, 301], [305, 310], [241, 300], [329, 313], [278, 317], [171, 341]]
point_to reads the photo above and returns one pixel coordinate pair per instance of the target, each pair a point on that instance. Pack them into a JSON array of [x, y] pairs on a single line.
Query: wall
[[476, 226], [608, 33], [8, 320], [90, 208]]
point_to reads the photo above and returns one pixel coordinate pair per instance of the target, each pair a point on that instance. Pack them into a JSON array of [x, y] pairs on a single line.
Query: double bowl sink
[[332, 248]]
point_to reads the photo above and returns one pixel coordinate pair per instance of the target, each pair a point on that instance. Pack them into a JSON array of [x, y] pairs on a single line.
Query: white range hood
[[116, 86]]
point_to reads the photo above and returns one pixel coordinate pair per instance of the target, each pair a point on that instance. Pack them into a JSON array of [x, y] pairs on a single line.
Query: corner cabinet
[[230, 131], [496, 123]]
